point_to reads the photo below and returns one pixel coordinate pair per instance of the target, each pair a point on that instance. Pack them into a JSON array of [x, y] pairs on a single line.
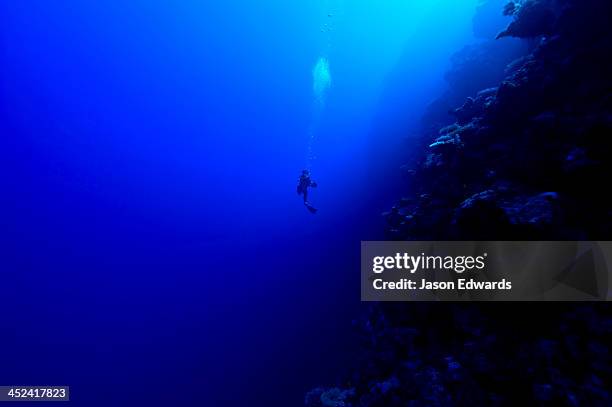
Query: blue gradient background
[[154, 251]]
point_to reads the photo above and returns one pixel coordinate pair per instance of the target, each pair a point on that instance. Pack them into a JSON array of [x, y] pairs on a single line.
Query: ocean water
[[154, 251]]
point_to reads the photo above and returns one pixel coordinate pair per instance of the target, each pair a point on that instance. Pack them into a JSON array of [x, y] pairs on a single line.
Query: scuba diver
[[302, 189]]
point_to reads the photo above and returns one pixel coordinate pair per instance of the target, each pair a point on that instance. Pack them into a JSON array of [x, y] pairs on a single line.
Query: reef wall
[[524, 157], [527, 158]]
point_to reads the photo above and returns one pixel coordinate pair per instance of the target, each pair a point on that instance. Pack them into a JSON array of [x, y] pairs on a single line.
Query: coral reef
[[542, 132], [532, 18], [475, 67], [523, 157], [333, 397], [472, 356]]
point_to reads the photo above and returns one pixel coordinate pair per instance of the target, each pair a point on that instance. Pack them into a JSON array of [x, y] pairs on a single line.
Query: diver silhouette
[[302, 189]]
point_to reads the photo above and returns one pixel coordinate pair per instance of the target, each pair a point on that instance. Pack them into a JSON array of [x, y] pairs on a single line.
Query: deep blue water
[[154, 251]]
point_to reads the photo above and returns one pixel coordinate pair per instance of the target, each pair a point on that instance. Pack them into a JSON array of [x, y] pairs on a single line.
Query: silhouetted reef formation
[[526, 157], [450, 355]]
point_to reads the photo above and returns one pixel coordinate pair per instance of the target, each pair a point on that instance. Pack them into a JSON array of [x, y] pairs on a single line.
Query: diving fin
[[311, 208]]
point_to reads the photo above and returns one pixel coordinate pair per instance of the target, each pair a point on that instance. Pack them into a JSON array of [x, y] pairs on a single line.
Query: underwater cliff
[[518, 147], [526, 158]]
